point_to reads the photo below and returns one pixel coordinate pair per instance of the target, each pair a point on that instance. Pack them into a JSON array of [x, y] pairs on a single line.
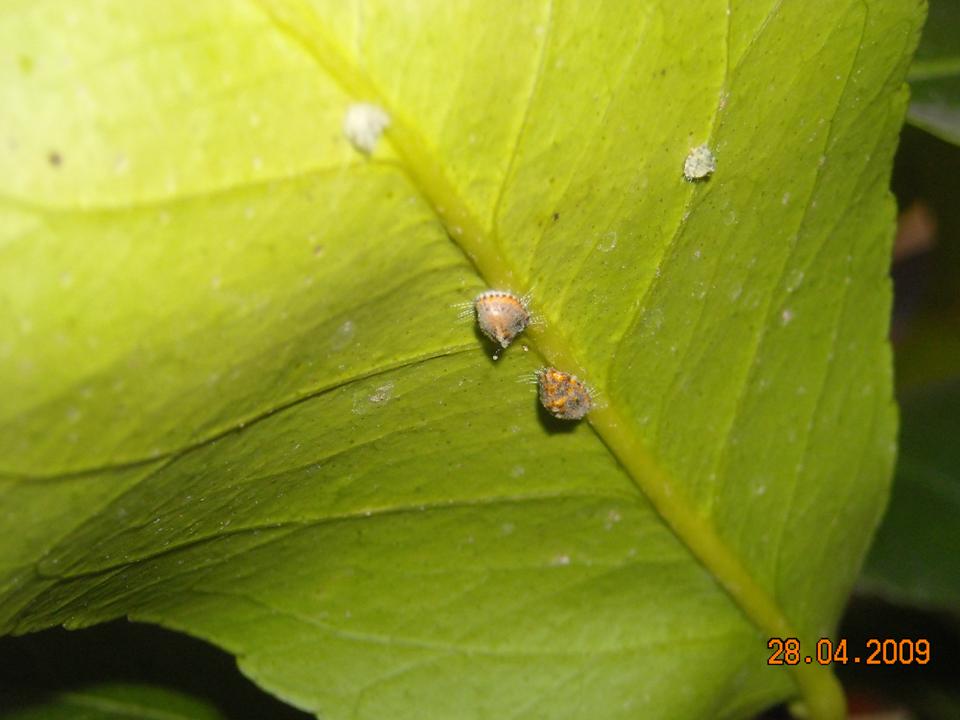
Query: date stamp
[[887, 651]]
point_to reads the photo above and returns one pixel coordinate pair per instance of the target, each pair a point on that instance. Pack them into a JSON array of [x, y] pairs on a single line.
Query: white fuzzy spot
[[613, 517], [560, 560], [382, 394], [699, 164], [786, 316], [794, 280], [344, 335], [608, 241], [363, 125]]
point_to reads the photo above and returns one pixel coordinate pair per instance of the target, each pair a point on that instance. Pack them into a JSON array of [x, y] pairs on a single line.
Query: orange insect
[[563, 395], [501, 316]]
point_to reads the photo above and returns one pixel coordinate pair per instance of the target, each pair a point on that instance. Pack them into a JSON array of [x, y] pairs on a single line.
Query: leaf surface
[[237, 400]]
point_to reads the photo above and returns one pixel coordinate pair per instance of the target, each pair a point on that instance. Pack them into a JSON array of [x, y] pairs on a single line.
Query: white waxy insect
[[700, 163], [563, 395], [363, 125], [501, 316]]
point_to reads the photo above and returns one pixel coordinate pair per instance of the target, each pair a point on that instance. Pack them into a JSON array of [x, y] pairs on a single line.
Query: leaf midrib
[[820, 689]]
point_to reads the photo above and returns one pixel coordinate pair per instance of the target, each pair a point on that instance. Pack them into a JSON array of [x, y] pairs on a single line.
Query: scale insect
[[563, 395], [363, 124], [501, 316], [699, 164]]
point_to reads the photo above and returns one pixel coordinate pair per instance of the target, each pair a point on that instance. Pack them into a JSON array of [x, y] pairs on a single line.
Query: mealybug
[[363, 125], [699, 164], [563, 395], [501, 316]]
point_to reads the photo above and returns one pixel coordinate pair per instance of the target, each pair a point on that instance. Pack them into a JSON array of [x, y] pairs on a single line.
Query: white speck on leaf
[[794, 280], [786, 316], [344, 335], [608, 241], [382, 394], [613, 517], [700, 163], [363, 125]]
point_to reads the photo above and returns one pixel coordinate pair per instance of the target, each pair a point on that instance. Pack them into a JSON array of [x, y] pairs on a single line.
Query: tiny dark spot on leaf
[[55, 158], [556, 216], [318, 250]]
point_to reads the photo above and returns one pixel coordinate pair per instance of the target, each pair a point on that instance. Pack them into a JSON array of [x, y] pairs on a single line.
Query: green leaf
[[237, 401], [115, 701], [935, 74], [916, 557]]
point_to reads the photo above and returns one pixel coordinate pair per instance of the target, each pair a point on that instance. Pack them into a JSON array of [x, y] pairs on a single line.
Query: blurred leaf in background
[[116, 702], [122, 667], [935, 74]]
